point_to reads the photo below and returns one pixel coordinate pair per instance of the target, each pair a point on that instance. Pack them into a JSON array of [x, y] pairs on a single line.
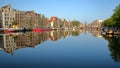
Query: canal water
[[59, 49]]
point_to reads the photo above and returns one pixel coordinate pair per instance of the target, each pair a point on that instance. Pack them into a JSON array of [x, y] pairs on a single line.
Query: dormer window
[[9, 8]]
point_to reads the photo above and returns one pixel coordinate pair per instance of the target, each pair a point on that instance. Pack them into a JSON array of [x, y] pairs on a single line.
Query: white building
[[7, 16]]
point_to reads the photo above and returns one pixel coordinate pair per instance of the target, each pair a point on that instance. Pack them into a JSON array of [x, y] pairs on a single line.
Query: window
[[0, 15], [9, 9], [11, 18], [5, 10], [5, 14], [6, 23]]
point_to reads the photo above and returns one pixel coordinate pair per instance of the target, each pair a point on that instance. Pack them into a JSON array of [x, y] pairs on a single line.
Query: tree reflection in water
[[114, 47], [75, 33]]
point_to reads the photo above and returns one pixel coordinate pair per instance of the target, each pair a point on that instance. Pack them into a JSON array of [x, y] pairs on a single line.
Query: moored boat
[[8, 30], [41, 29]]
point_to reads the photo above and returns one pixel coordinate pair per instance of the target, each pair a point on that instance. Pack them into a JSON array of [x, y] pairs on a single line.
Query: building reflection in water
[[8, 43], [11, 42], [95, 33]]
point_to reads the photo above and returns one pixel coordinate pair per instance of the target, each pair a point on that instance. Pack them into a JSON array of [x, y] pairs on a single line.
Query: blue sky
[[82, 10]]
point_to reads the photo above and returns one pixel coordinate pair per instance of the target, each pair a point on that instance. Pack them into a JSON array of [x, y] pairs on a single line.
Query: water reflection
[[95, 33], [113, 43], [114, 46], [13, 41]]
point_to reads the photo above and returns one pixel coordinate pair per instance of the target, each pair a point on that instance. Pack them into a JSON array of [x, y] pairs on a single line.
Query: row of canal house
[[96, 25], [30, 19], [12, 18], [57, 23]]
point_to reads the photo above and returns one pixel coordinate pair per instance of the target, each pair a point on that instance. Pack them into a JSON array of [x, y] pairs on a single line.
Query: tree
[[116, 16], [75, 23], [14, 23], [114, 20]]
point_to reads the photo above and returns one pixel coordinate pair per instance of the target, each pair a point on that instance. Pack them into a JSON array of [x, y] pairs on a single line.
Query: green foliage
[[75, 33], [114, 20], [75, 23], [114, 47], [14, 23]]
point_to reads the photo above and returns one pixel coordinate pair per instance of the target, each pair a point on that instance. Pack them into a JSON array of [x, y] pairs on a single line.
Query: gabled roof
[[52, 18], [6, 6]]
